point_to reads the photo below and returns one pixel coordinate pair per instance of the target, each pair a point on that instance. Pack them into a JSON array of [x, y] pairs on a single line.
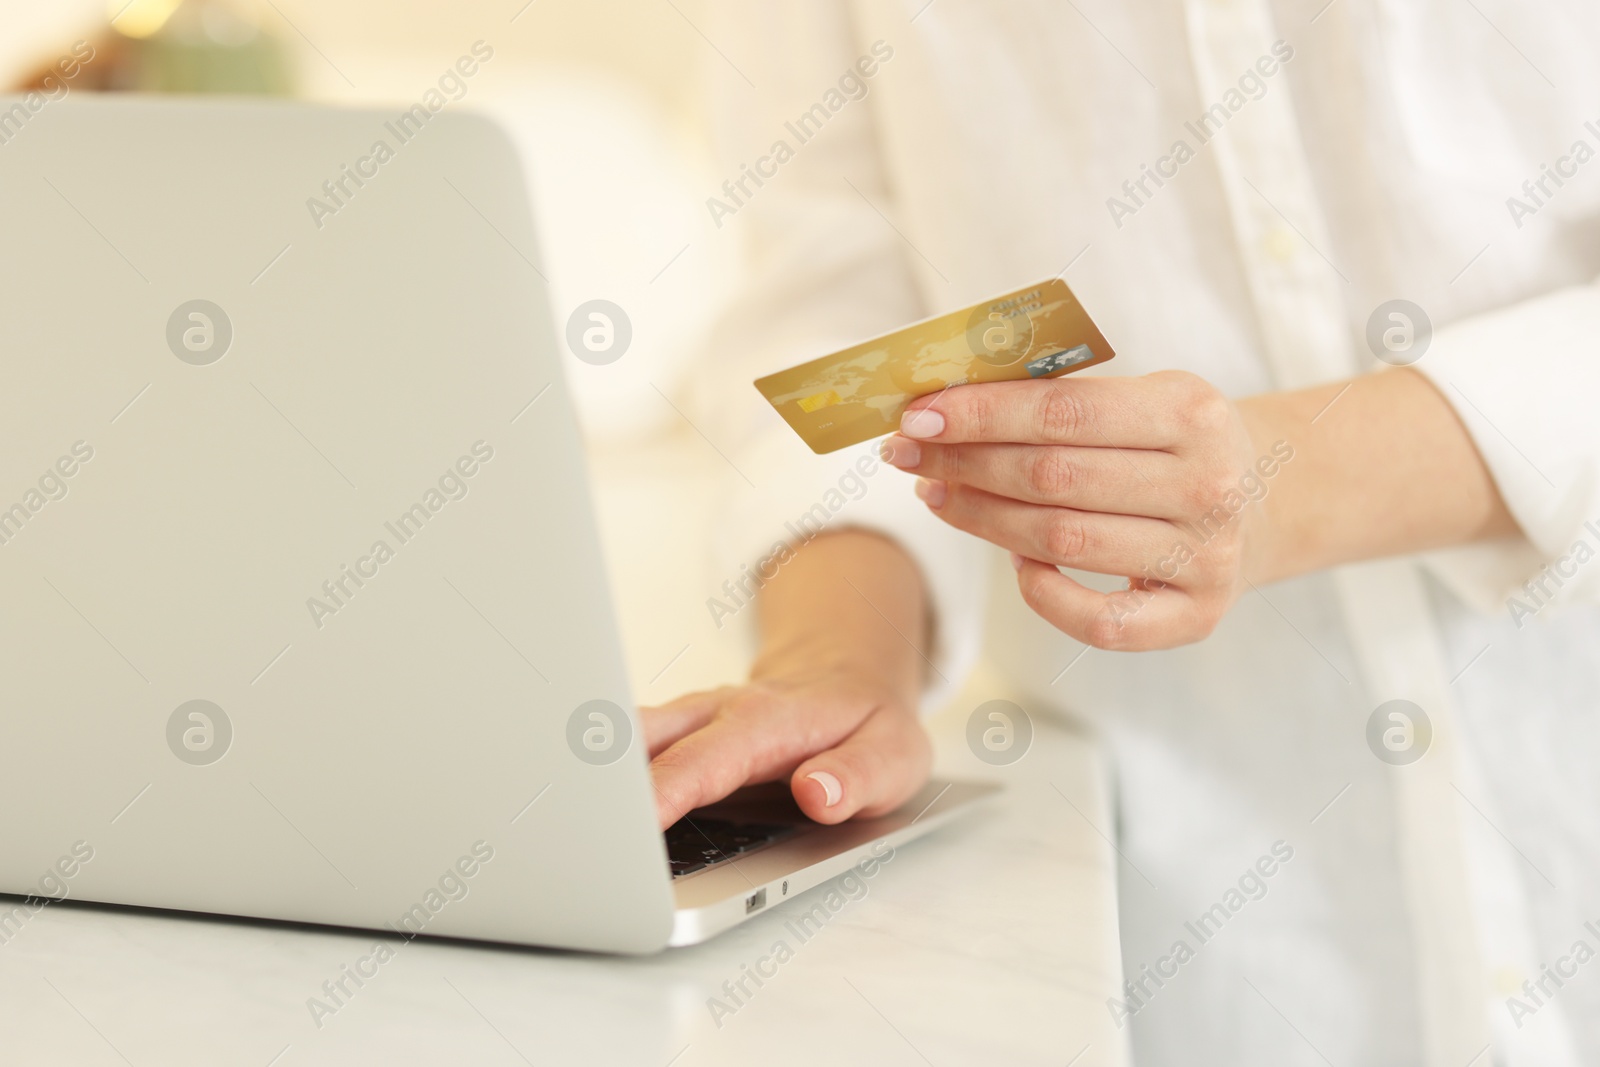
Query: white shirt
[[1377, 160]]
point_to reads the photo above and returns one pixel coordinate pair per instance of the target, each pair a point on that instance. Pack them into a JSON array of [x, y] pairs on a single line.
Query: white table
[[991, 942]]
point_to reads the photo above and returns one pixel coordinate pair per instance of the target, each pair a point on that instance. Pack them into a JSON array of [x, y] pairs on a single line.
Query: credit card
[[859, 393]]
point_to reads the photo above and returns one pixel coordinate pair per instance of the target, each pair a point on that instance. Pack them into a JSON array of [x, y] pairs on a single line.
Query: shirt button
[[1281, 244], [1508, 981]]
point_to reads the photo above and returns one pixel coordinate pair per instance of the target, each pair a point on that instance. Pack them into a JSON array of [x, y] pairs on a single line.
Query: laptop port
[[755, 901]]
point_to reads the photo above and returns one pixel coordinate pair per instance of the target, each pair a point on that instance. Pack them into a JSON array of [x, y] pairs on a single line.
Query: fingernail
[[901, 452], [831, 788], [1016, 561], [932, 492], [924, 422]]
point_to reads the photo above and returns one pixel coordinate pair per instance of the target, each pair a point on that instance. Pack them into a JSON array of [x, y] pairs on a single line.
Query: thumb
[[871, 772]]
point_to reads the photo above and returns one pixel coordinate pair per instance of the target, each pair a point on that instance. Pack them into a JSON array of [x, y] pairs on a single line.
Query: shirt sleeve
[[825, 268], [1525, 380]]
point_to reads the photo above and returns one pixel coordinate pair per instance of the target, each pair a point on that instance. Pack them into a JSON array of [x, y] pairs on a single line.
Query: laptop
[[305, 612]]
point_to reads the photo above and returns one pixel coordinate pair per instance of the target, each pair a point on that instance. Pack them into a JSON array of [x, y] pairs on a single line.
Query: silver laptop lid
[[304, 605]]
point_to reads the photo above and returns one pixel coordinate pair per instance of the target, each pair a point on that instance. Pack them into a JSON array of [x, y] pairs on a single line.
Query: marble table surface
[[991, 941]]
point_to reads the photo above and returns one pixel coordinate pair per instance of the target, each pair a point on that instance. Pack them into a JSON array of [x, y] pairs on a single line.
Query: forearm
[[1385, 469], [849, 601]]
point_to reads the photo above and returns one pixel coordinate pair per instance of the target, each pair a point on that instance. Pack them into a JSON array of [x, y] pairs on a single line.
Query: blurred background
[[605, 100], [602, 96]]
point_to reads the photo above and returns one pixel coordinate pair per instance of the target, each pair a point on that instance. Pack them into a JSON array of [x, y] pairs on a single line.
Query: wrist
[[1272, 542], [893, 674], [1383, 466], [849, 605]]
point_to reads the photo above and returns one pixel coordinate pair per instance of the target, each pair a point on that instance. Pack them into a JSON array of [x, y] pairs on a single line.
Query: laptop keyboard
[[695, 844]]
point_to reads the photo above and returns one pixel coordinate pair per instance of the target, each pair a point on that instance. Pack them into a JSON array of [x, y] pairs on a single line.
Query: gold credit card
[[859, 393]]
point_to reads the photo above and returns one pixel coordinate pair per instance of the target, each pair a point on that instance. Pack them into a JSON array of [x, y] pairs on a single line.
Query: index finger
[[726, 753], [1148, 412], [666, 724]]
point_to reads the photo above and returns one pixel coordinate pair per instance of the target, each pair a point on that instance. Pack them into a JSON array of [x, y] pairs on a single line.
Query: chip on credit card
[[860, 393]]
